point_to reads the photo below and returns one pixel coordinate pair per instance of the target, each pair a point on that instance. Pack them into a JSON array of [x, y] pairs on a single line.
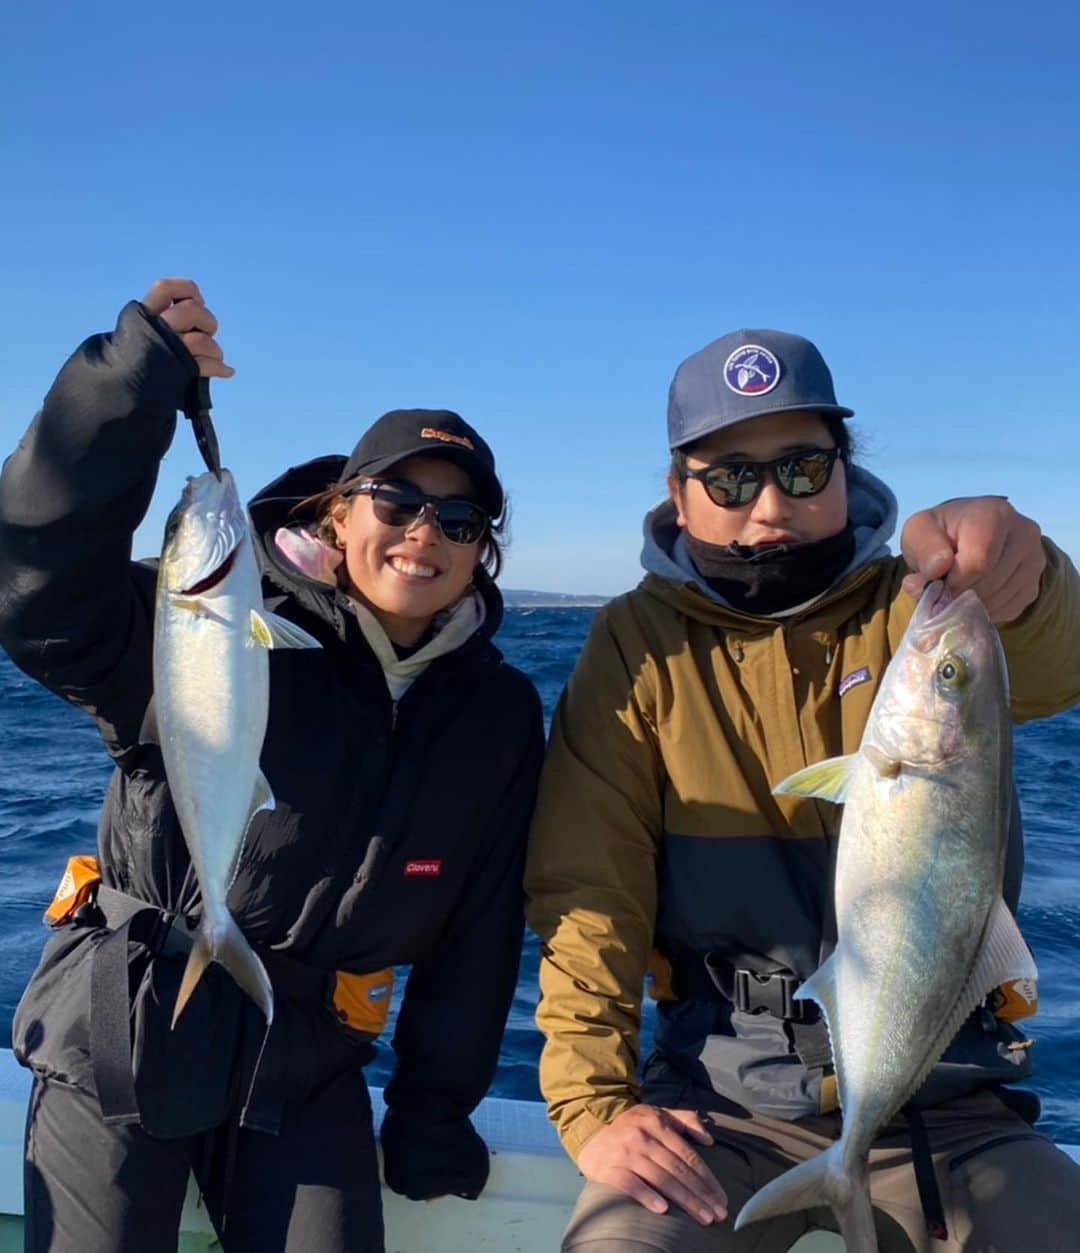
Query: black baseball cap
[[405, 433], [747, 374]]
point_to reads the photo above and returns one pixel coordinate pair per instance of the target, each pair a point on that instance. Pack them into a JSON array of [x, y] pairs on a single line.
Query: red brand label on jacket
[[430, 867]]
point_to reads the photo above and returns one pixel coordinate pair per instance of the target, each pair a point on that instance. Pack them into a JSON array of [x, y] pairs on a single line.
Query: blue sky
[[531, 213]]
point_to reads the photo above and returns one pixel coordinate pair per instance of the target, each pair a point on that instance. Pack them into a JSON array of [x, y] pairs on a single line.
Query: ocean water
[[53, 774]]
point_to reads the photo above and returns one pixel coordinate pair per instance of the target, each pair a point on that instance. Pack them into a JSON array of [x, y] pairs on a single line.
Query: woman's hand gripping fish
[[211, 697], [923, 932]]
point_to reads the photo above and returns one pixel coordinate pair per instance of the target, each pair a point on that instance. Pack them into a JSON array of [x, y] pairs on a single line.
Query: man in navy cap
[[754, 647]]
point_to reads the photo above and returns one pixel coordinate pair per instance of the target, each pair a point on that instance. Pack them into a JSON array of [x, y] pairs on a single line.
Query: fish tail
[[823, 1180], [226, 945], [855, 1214]]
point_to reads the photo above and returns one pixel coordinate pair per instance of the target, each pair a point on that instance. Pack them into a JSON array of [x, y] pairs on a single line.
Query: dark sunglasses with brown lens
[[733, 483], [401, 504]]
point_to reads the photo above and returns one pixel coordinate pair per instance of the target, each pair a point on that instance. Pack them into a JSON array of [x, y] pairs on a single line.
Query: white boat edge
[[524, 1208]]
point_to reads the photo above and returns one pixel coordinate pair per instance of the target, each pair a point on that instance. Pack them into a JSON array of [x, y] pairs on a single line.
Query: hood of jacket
[[664, 555]]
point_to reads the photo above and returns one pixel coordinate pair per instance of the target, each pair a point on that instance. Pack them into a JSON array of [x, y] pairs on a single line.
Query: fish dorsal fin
[[821, 988], [271, 631], [148, 732], [1003, 956], [828, 780]]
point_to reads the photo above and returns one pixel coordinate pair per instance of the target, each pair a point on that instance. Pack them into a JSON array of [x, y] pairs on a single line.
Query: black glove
[[423, 1160]]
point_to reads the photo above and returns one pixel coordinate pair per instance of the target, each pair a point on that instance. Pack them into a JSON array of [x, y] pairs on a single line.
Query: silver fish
[[923, 934], [211, 698]]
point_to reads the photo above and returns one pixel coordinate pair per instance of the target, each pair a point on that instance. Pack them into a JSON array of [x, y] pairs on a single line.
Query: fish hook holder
[[197, 411]]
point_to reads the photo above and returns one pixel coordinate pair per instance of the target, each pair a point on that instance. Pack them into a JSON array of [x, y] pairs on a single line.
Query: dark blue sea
[[53, 774]]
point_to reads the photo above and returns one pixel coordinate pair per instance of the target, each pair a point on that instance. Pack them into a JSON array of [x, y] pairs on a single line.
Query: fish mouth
[[939, 608], [935, 600]]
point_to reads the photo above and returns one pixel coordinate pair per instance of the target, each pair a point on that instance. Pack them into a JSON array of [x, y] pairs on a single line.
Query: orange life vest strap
[[81, 876]]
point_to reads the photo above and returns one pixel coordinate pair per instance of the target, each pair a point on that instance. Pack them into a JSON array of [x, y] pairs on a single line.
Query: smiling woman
[[416, 513], [403, 755]]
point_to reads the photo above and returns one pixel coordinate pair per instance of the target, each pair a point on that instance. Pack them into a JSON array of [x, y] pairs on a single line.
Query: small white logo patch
[[751, 370], [862, 675]]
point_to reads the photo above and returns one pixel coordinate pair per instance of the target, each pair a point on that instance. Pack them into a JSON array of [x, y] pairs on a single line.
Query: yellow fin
[[828, 780], [260, 632], [272, 631]]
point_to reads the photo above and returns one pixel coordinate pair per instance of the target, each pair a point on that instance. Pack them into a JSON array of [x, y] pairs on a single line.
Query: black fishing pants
[[93, 1188]]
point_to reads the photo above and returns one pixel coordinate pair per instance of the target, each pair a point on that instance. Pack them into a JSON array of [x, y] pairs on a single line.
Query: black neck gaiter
[[771, 577]]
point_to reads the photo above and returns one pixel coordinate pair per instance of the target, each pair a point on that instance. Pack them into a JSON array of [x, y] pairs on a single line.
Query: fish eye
[[951, 672]]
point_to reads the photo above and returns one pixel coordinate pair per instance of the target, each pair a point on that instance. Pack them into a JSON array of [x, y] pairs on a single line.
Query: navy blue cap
[[405, 433], [747, 374]]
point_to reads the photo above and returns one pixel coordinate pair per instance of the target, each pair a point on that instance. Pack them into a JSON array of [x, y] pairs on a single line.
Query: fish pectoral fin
[[193, 604], [828, 780], [1004, 956], [268, 630], [148, 732]]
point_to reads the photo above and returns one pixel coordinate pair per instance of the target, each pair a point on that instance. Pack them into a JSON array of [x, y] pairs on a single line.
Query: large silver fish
[[211, 697], [923, 934]]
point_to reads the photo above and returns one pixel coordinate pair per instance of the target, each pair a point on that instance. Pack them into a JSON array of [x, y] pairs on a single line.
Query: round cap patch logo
[[751, 370]]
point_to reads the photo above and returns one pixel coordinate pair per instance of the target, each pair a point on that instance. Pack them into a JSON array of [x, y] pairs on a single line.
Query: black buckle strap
[[167, 934], [772, 993], [110, 1017], [171, 937], [925, 1177]]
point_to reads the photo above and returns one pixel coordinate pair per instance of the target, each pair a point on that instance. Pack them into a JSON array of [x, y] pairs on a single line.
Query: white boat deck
[[524, 1208]]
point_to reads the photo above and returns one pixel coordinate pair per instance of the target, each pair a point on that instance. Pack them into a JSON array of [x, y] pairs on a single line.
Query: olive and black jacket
[[657, 840], [366, 791]]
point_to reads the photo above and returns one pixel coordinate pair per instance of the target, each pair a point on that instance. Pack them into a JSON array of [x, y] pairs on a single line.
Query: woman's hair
[[327, 504], [842, 437]]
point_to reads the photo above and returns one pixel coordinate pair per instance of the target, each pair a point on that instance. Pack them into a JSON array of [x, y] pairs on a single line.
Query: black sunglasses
[[401, 504], [733, 484]]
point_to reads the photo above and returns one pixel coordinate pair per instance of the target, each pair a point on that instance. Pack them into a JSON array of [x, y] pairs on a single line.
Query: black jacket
[[361, 788]]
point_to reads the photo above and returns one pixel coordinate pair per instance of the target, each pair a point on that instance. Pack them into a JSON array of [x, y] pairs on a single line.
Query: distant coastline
[[523, 598]]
